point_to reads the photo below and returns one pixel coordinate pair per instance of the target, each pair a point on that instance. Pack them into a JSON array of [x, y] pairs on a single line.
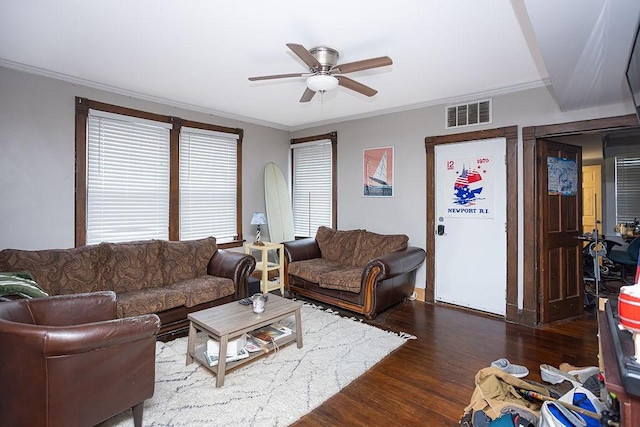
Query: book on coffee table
[[212, 359], [269, 333]]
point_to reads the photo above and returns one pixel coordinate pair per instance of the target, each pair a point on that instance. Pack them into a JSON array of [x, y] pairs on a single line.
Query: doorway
[[533, 297], [510, 135], [591, 198], [522, 302]]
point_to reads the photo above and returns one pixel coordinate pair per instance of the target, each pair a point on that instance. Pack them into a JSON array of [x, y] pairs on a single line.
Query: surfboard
[[278, 205]]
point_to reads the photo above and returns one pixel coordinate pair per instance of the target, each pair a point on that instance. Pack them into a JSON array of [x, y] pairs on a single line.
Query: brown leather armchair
[[67, 361]]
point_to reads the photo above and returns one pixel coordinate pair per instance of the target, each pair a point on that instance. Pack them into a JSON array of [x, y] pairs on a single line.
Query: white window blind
[[627, 188], [127, 178], [208, 184], [312, 186]]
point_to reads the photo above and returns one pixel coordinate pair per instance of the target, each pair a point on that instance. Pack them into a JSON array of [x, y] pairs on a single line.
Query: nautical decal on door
[[471, 184]]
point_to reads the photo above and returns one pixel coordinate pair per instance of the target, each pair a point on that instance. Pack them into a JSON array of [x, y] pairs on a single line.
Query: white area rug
[[275, 390]]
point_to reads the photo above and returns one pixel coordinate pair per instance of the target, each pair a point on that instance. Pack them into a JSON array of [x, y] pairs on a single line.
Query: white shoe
[[517, 371], [553, 375], [579, 373]]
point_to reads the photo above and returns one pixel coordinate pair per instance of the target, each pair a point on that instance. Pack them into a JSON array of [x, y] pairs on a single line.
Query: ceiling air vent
[[473, 113]]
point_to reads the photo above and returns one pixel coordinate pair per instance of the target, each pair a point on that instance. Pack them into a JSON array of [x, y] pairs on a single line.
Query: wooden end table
[[231, 320], [263, 265]]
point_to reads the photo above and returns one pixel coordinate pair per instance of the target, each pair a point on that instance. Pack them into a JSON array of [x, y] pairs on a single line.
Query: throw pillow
[[132, 266], [372, 245], [183, 260], [338, 245]]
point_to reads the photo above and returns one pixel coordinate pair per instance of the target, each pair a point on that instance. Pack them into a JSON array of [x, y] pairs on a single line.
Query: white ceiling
[[198, 54]]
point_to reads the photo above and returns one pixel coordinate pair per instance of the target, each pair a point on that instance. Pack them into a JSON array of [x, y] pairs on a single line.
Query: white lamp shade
[[258, 218], [322, 83]]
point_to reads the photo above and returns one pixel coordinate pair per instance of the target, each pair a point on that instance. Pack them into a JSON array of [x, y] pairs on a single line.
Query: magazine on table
[[269, 333], [212, 359], [252, 346]]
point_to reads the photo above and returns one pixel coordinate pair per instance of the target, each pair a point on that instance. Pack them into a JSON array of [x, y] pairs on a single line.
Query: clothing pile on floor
[[573, 397]]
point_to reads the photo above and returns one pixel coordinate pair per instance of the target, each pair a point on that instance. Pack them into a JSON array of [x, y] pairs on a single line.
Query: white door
[[470, 240]]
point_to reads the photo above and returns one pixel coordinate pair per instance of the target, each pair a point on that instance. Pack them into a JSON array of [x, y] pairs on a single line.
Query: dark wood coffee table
[[229, 321]]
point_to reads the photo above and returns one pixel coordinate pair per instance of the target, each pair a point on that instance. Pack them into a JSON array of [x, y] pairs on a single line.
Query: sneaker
[[553, 375], [581, 374], [517, 371], [593, 384]]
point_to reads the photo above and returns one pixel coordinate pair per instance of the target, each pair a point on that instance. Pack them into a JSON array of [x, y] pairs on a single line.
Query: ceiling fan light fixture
[[322, 83]]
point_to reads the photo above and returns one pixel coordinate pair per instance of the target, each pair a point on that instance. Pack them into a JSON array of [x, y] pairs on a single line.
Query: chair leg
[[137, 414], [623, 275]]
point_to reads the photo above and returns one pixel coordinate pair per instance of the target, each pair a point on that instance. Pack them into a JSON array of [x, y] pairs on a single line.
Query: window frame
[[333, 137], [215, 148], [82, 106], [128, 178]]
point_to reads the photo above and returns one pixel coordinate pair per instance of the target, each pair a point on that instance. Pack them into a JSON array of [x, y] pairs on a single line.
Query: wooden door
[[560, 211], [591, 198]]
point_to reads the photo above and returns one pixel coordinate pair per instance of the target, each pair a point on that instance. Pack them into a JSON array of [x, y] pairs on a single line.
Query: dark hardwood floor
[[429, 381]]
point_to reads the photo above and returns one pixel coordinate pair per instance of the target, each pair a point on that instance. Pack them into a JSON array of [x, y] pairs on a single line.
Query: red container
[[629, 309]]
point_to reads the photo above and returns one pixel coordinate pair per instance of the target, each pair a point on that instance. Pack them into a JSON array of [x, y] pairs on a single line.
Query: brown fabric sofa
[[168, 278], [356, 270]]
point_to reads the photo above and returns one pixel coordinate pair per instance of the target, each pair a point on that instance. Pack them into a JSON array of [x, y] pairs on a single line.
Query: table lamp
[[258, 219]]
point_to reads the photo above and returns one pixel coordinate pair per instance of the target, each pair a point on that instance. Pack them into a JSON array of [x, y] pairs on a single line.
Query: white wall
[[406, 131], [37, 155]]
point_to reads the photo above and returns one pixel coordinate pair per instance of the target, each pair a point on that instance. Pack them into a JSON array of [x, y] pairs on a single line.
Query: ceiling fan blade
[[365, 64], [304, 54], [275, 76], [307, 95], [354, 85]]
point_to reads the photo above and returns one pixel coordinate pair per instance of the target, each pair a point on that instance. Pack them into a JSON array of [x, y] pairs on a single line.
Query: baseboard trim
[[521, 316]]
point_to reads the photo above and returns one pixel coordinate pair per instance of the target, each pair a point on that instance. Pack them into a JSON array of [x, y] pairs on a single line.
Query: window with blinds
[[312, 186], [141, 175], [627, 188], [127, 178], [208, 184]]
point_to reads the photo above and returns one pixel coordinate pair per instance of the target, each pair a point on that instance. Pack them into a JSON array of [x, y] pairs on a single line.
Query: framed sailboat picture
[[377, 179]]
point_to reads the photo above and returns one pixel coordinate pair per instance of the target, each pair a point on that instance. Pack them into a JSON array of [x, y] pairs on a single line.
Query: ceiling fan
[[325, 72]]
